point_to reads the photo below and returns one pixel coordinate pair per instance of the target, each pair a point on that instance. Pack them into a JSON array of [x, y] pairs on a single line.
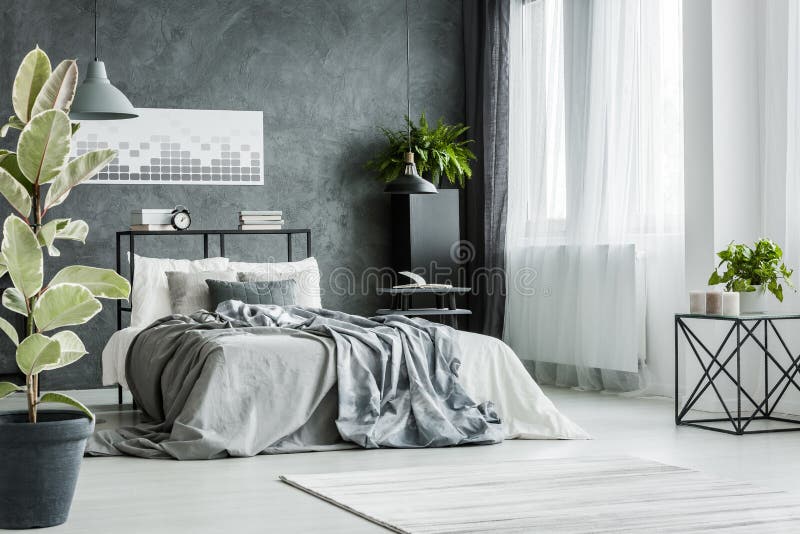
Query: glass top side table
[[723, 365]]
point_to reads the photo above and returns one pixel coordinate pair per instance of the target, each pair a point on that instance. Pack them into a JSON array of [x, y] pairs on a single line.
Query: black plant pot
[[39, 465]]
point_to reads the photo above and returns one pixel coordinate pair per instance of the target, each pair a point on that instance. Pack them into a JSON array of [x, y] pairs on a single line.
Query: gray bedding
[[255, 379]]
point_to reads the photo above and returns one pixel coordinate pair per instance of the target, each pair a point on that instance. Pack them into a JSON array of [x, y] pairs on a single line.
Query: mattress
[[490, 370]]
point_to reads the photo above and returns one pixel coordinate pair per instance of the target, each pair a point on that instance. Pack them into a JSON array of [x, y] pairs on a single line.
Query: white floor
[[129, 495]]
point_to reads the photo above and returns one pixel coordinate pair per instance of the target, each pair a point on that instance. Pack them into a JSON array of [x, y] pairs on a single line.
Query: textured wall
[[325, 73]]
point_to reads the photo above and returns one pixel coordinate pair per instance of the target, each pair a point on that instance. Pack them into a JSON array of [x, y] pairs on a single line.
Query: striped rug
[[588, 494]]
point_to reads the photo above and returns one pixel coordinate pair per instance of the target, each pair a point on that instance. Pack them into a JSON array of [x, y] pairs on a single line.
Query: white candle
[[697, 301], [730, 303], [714, 302]]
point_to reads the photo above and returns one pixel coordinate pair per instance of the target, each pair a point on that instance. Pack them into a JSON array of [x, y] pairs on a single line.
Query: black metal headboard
[[133, 234]]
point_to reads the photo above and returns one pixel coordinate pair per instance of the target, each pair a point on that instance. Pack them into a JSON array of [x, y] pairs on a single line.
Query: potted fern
[[439, 151], [41, 451], [752, 271]]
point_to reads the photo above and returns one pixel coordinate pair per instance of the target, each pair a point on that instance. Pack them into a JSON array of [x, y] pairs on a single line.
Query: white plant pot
[[754, 301]]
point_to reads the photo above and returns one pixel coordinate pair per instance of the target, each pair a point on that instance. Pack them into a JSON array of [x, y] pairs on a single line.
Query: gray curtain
[[486, 56]]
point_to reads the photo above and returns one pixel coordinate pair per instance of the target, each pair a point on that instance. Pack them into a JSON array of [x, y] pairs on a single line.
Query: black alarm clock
[[181, 220]]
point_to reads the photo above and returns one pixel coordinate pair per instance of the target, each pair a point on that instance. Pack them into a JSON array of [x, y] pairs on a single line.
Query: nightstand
[[445, 298]]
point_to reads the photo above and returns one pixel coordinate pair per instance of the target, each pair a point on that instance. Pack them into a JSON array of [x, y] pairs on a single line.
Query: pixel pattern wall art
[[179, 146]]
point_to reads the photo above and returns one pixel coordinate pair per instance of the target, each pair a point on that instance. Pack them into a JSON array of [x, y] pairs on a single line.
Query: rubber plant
[[747, 267], [35, 179], [441, 151]]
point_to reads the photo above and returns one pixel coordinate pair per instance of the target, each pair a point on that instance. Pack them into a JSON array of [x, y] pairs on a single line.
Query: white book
[[153, 210], [260, 217], [260, 226], [260, 212], [419, 282], [151, 227], [261, 221], [151, 218]]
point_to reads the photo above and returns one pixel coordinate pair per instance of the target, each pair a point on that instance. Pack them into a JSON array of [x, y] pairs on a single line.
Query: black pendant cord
[[95, 31], [408, 78]]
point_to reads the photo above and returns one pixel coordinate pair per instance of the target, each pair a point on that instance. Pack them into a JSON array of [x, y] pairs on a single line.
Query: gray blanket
[[253, 379]]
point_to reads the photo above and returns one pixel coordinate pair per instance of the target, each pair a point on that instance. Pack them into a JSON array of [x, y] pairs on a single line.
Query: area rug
[[588, 494]]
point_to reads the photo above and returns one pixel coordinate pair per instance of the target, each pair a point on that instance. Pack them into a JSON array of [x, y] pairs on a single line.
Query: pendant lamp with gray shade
[[96, 99], [410, 182]]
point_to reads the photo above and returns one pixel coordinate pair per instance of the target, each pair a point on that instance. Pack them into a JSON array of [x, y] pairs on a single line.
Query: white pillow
[[305, 273], [150, 292]]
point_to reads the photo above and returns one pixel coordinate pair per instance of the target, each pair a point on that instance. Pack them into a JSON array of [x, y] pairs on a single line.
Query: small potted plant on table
[[752, 272], [41, 451]]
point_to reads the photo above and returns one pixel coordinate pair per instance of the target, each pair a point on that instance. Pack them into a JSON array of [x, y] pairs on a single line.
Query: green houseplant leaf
[[77, 171], [7, 388], [13, 122], [8, 161], [14, 300], [22, 256], [746, 267], [440, 151], [64, 305], [15, 194], [32, 75], [74, 231], [9, 330], [59, 89], [103, 283], [72, 349], [44, 146], [36, 352], [60, 398]]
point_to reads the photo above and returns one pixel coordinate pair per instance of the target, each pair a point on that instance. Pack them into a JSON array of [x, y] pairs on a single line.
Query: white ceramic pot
[[754, 301]]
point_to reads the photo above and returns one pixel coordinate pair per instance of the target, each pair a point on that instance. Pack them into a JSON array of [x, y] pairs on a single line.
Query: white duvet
[[489, 371]]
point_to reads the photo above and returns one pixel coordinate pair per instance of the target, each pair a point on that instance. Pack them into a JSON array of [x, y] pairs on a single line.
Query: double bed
[[247, 379]]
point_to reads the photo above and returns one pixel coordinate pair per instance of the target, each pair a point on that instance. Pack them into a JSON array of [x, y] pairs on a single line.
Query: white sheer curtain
[[595, 225]]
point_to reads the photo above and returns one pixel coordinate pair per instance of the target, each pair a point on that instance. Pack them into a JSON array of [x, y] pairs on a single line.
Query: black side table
[[760, 329], [445, 309]]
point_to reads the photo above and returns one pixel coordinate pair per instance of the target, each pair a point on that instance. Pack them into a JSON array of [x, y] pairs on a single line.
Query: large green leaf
[[64, 305], [59, 89], [7, 388], [9, 330], [31, 76], [72, 349], [23, 257], [47, 234], [14, 300], [16, 195], [60, 398], [74, 231], [103, 283], [78, 170], [8, 162], [36, 352], [44, 145], [13, 122]]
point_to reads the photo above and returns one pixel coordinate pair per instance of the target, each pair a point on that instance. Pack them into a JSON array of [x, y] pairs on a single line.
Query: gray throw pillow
[[278, 292], [188, 292]]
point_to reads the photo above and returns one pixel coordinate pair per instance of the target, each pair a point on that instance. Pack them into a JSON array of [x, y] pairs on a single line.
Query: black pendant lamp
[[410, 182], [96, 99]]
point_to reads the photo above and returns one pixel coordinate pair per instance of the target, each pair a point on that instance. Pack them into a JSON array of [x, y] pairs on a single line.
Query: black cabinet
[[426, 237]]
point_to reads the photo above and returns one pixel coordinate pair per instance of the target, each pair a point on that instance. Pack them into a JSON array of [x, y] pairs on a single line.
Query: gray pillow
[[278, 292], [188, 292]]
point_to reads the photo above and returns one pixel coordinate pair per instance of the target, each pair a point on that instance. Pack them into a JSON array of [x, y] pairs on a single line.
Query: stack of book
[[260, 220], [151, 219]]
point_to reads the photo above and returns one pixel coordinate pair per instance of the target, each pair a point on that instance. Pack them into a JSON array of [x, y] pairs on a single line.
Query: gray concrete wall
[[325, 73]]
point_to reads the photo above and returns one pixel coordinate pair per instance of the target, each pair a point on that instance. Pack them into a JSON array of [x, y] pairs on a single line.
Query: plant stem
[[33, 380]]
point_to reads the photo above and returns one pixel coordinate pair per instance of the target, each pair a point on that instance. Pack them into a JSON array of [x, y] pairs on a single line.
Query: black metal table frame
[[719, 358]]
